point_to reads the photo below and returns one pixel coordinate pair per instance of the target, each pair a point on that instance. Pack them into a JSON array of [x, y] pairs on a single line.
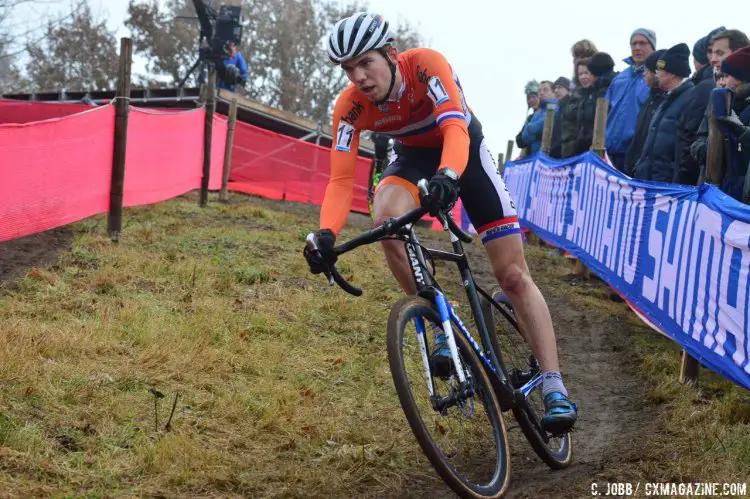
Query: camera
[[217, 32]]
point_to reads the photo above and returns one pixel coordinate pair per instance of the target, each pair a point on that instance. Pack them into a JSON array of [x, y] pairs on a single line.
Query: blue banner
[[679, 254]]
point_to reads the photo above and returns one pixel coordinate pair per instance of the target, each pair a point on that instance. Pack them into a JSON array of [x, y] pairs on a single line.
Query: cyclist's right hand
[[321, 259]]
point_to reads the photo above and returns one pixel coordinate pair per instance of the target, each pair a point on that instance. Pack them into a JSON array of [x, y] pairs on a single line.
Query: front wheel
[[460, 426]]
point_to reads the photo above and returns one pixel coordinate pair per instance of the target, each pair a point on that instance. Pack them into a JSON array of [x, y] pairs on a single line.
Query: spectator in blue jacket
[[658, 159], [234, 63], [627, 93], [531, 135]]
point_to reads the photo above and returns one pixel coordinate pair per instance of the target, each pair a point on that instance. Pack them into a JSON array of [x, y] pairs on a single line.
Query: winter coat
[[626, 95], [658, 160], [737, 158], [531, 134], [687, 128], [587, 111], [641, 129]]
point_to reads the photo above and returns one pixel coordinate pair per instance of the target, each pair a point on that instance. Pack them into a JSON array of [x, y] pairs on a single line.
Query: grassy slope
[[283, 383]]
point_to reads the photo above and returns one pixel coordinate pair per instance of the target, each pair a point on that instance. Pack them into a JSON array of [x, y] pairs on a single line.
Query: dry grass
[[283, 383]]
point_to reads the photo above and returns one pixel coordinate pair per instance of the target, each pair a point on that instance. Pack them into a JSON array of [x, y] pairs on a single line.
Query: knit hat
[[676, 60], [652, 59], [562, 82], [532, 87], [700, 48], [738, 64], [601, 63], [649, 34]]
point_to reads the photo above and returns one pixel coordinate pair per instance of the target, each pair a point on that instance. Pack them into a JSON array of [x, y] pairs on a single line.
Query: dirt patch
[[19, 255]]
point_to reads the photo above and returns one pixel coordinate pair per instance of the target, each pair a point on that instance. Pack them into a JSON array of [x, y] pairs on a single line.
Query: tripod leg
[[190, 71]]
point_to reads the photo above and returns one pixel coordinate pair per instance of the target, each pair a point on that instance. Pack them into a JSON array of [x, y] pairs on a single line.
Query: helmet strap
[[384, 53]]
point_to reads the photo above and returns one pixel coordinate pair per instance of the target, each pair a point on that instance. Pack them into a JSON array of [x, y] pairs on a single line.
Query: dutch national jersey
[[430, 111]]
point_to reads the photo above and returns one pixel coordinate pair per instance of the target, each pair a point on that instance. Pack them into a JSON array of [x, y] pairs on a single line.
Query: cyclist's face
[[371, 74]]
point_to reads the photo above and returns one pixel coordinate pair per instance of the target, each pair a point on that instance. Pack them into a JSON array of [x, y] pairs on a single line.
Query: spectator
[[561, 88], [532, 103], [702, 50], [582, 49], [690, 121], [657, 161], [736, 67], [656, 97], [601, 68], [568, 111], [235, 68], [531, 135], [626, 96], [723, 44]]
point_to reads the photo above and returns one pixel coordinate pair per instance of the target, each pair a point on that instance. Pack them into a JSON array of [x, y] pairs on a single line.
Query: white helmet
[[355, 35]]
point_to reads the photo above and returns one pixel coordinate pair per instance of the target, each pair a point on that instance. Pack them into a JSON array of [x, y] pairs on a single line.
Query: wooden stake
[[509, 151], [600, 126], [223, 195], [549, 124], [208, 135], [122, 107]]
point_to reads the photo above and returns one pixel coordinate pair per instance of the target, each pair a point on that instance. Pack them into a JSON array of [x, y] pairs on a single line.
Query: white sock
[[552, 382]]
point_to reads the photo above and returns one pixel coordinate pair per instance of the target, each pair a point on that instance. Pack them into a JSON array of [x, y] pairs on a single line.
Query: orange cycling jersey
[[430, 111]]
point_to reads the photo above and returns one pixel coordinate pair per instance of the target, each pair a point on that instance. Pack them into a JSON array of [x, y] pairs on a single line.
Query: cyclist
[[416, 98]]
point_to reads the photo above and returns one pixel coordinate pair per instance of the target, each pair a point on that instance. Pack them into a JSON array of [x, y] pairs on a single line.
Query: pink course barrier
[[58, 171]]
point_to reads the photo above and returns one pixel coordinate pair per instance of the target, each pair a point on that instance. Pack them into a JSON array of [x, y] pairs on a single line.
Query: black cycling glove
[[443, 191], [319, 261]]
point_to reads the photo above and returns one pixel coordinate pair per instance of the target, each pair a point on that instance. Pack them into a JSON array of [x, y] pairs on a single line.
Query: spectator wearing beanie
[[737, 124], [688, 168], [655, 99], [658, 159], [561, 87], [723, 44], [601, 68], [626, 95], [531, 89]]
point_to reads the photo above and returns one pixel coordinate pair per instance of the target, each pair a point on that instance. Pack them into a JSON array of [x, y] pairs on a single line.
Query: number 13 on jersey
[[344, 137]]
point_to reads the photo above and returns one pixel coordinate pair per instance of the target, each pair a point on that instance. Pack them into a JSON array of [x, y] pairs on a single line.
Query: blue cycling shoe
[[440, 358], [559, 413]]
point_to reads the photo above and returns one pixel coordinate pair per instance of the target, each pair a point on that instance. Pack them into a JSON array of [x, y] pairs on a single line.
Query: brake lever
[[312, 245]]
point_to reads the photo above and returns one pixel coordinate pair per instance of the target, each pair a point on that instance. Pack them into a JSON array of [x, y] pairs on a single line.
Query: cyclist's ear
[[391, 52]]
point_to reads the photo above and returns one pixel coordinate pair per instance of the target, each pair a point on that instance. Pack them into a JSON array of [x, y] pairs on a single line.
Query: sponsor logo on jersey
[[387, 119], [353, 113]]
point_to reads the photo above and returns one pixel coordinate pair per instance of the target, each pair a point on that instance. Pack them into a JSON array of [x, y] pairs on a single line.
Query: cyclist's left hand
[[443, 193], [320, 260]]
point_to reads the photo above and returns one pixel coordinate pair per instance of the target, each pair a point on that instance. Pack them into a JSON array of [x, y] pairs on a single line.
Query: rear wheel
[[521, 366], [460, 427]]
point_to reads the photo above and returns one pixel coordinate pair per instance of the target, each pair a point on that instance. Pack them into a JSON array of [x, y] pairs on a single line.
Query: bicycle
[[478, 378]]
